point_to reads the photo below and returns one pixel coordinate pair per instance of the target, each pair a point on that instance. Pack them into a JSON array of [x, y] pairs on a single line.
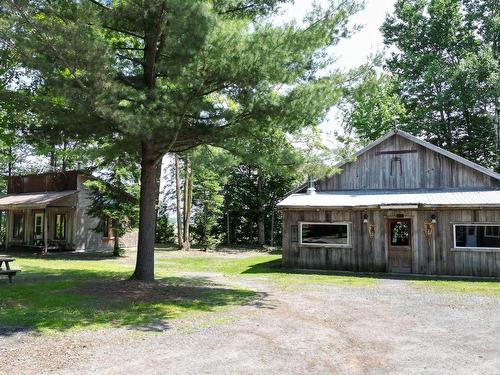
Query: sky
[[354, 51]]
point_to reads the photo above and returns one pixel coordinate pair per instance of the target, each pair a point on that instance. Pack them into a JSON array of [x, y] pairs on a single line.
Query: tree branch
[[99, 4], [130, 58]]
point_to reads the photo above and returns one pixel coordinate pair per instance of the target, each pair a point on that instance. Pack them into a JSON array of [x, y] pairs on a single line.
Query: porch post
[[6, 244], [45, 230]]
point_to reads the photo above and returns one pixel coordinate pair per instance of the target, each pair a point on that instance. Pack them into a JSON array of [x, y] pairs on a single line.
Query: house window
[[38, 225], [18, 227], [325, 234], [60, 227], [477, 236]]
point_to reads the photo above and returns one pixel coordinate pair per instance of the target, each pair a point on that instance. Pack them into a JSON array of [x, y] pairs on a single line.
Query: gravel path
[[391, 328]]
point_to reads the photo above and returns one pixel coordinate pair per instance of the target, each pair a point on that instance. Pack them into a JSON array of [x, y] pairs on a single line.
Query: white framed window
[[325, 234], [38, 225], [476, 236]]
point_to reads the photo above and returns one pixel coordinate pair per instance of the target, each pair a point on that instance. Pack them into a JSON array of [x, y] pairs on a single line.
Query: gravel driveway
[[390, 328]]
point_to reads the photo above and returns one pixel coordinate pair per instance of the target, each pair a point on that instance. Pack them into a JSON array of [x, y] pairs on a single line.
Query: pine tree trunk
[[272, 228], [64, 157], [144, 268], [158, 186], [188, 186], [228, 229], [178, 202], [10, 165], [116, 244], [261, 214]]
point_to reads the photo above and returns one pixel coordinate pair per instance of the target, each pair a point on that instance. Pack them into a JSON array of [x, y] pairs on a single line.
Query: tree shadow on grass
[[82, 304]]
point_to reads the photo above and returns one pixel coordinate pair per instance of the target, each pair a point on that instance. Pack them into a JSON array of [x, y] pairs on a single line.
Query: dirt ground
[[389, 328]]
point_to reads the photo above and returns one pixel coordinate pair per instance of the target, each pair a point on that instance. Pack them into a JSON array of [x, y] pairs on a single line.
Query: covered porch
[[40, 221]]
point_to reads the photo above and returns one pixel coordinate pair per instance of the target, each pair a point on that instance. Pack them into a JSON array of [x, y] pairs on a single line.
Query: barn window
[[477, 236], [324, 234]]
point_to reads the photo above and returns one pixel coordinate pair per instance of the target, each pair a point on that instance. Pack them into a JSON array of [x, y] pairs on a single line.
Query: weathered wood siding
[[422, 169], [433, 255]]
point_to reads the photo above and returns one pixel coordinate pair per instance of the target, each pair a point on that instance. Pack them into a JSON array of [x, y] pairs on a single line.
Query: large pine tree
[[160, 76]]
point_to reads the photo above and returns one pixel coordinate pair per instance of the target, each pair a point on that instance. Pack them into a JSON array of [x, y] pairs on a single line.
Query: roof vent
[[311, 189]]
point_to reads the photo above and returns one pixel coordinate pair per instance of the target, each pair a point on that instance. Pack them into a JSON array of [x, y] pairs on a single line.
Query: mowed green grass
[[86, 291], [262, 266], [480, 287]]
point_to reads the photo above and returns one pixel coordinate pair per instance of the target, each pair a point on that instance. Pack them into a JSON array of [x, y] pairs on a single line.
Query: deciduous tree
[[445, 62]]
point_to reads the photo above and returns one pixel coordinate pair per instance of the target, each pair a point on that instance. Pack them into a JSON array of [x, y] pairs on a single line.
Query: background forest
[[437, 78]]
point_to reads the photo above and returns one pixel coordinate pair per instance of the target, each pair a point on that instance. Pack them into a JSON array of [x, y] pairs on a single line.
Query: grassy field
[[78, 291]]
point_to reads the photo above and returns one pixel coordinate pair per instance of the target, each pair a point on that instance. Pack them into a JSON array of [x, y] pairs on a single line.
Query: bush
[[165, 231]]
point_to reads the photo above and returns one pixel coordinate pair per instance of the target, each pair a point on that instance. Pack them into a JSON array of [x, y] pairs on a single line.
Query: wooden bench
[[9, 273]]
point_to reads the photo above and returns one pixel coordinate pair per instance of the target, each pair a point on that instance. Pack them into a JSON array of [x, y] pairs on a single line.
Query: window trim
[[346, 245], [472, 248]]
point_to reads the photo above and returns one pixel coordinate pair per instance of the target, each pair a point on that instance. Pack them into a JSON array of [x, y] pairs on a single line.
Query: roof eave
[[387, 207]]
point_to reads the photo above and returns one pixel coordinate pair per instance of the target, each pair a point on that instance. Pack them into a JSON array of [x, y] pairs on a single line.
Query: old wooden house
[[49, 211], [401, 205]]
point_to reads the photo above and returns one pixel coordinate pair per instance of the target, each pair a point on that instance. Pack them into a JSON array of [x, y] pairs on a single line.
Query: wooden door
[[399, 245]]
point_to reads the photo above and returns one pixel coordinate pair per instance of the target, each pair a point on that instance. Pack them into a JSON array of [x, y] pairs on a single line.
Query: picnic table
[[6, 270]]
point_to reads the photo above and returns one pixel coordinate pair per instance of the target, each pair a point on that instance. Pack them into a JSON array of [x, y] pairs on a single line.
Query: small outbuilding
[[401, 205], [49, 211]]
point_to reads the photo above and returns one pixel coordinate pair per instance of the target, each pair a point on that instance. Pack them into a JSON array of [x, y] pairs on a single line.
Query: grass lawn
[[53, 294], [69, 291], [488, 288]]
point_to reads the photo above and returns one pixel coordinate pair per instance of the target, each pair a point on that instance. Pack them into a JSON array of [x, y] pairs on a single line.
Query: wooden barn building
[[401, 205], [49, 212]]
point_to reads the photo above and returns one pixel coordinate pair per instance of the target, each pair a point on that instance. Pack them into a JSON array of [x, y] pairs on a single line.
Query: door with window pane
[[399, 245]]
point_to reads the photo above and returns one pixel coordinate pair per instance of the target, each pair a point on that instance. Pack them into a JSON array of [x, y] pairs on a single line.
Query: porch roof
[[37, 200], [394, 199]]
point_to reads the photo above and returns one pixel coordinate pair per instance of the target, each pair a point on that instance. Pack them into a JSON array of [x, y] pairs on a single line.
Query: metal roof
[[33, 199], [387, 198]]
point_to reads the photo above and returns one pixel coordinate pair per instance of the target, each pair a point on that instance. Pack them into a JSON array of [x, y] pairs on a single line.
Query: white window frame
[[473, 248], [42, 216], [340, 245]]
